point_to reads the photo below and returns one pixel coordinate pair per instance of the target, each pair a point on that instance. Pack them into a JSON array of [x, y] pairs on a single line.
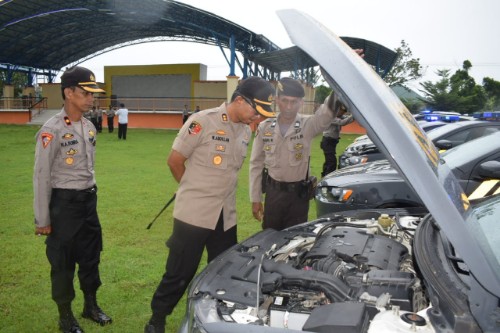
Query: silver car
[[389, 270]]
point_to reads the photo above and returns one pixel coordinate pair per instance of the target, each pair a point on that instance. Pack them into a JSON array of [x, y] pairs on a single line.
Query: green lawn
[[134, 184]]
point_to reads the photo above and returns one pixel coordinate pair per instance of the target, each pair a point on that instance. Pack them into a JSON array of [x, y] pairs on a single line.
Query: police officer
[[331, 137], [65, 199], [282, 147], [206, 156]]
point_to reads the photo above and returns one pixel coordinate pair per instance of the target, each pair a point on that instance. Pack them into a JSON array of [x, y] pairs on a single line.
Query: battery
[[284, 314]]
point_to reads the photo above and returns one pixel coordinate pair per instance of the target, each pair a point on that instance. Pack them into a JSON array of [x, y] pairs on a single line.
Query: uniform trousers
[[329, 146], [283, 209], [99, 124], [76, 238], [110, 124], [122, 131], [186, 245]]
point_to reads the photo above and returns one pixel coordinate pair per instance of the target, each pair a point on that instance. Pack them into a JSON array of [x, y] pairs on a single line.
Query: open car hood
[[395, 131]]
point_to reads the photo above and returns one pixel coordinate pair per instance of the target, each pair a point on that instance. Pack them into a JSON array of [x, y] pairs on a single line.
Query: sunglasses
[[251, 103]]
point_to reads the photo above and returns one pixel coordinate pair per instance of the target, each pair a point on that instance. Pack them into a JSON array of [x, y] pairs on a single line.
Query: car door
[[473, 177]]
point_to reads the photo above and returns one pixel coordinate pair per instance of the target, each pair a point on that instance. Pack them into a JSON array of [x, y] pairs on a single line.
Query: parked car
[[448, 116], [426, 126], [378, 185], [386, 270], [444, 137]]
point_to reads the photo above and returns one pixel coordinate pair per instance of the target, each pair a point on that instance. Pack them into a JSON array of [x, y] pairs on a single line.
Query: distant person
[[205, 160], [331, 137], [185, 114], [93, 116], [122, 114], [65, 200], [197, 109], [110, 115], [99, 119]]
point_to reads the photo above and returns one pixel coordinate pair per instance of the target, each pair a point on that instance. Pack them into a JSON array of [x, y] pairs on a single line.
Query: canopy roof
[[46, 36]]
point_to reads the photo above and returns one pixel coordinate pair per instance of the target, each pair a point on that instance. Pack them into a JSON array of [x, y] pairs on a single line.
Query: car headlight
[[333, 194], [354, 160], [200, 311]]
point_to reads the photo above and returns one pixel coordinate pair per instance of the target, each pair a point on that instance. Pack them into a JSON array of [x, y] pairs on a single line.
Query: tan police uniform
[[286, 157], [64, 159], [216, 149]]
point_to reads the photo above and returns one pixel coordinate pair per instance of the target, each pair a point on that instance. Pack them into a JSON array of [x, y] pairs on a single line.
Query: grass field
[[134, 184]]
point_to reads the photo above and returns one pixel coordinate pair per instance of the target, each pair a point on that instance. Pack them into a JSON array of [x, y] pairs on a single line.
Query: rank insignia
[[67, 121], [298, 156], [220, 132], [268, 133], [69, 160], [71, 152], [224, 117], [217, 160], [298, 146], [267, 148], [194, 128], [46, 138], [221, 148], [68, 136], [91, 133]]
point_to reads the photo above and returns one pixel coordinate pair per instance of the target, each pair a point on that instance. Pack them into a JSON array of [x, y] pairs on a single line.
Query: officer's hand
[[258, 210], [43, 230], [360, 52]]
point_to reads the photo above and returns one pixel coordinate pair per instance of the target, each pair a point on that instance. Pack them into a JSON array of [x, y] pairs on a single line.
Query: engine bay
[[311, 276]]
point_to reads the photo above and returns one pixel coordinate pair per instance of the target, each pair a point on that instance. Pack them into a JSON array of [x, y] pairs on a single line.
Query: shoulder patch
[[194, 128], [46, 138]]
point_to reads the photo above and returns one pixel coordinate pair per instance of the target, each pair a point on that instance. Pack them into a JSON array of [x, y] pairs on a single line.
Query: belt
[[66, 192], [284, 186]]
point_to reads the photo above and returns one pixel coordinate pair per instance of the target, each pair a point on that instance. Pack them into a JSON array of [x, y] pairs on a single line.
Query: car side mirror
[[444, 144], [489, 169]]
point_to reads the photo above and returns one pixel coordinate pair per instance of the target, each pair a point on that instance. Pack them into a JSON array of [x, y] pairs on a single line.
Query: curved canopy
[[42, 37]]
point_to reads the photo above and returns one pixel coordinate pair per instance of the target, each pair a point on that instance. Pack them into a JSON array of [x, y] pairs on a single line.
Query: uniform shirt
[[64, 158], [286, 157], [333, 131], [122, 116], [110, 113], [216, 149]]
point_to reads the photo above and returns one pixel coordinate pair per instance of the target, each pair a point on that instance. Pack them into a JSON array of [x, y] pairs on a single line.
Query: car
[[423, 114], [386, 270], [444, 137], [424, 125], [378, 185]]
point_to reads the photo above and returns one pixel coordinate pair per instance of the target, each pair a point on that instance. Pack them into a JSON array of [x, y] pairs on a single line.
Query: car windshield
[[483, 225]]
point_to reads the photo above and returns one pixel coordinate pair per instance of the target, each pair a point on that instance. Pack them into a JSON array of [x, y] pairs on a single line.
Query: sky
[[441, 33]]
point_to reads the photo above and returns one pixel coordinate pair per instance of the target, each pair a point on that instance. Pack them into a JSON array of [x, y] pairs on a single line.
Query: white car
[[371, 271]]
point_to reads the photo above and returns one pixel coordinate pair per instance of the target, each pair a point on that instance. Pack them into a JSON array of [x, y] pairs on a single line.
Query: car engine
[[345, 274]]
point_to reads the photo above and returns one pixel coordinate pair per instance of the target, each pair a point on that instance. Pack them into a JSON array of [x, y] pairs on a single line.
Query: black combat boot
[[155, 325], [67, 321], [93, 312]]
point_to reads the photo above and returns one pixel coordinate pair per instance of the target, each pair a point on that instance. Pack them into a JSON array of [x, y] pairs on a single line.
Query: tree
[[458, 93], [321, 92], [492, 89], [405, 69], [18, 80]]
